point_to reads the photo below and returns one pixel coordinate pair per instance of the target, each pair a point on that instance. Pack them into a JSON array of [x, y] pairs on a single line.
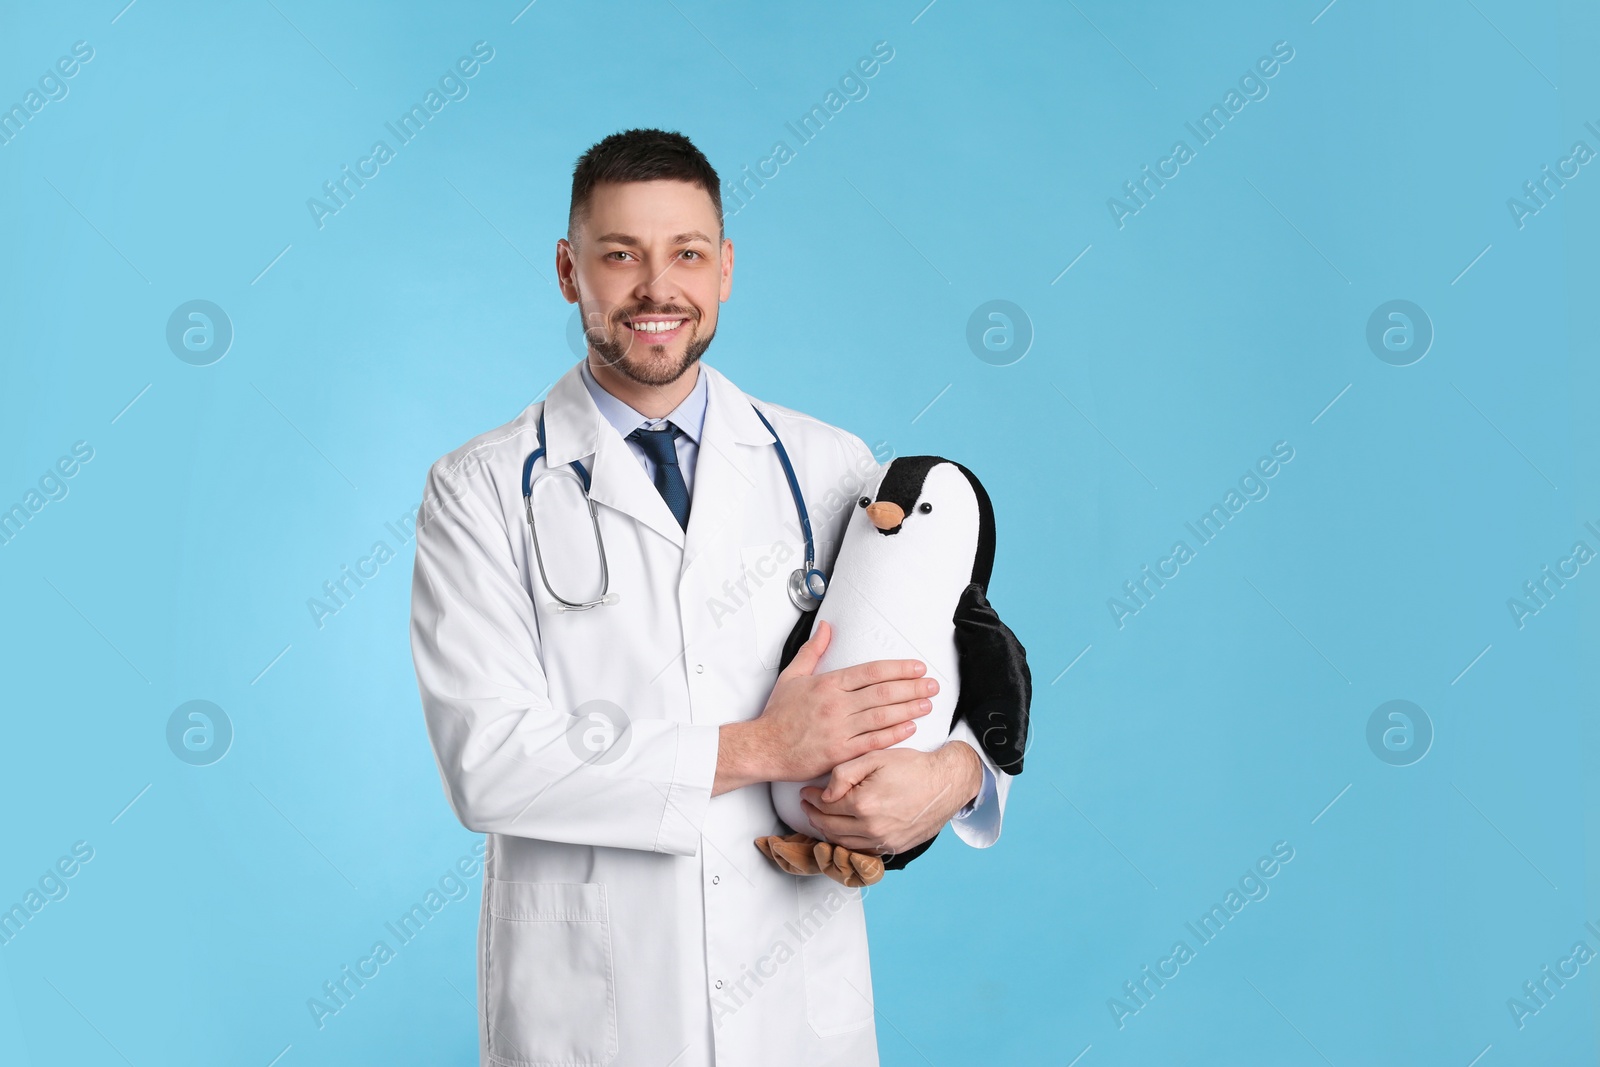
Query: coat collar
[[724, 468], [689, 416]]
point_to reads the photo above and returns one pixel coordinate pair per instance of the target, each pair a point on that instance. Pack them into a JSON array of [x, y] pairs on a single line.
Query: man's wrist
[[966, 771], [740, 757]]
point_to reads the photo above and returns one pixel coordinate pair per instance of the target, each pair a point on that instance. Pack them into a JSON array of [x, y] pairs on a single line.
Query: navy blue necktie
[[661, 448]]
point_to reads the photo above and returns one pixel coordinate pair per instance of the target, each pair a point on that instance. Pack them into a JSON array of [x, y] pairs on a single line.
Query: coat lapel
[[575, 430], [725, 471], [723, 475]]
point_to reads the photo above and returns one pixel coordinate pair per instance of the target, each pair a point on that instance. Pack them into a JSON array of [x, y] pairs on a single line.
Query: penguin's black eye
[[865, 501], [925, 508]]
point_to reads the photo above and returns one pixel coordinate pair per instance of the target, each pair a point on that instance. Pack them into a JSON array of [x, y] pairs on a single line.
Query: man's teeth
[[656, 326]]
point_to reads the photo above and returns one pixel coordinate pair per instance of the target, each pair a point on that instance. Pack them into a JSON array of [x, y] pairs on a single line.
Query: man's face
[[647, 272]]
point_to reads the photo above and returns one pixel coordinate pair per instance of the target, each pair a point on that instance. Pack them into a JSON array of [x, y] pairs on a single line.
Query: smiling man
[[610, 731]]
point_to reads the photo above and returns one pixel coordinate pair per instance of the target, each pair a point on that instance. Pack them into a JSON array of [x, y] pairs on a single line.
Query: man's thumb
[[807, 655]]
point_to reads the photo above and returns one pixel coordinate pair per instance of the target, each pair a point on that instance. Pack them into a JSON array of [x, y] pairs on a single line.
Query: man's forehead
[[673, 210]]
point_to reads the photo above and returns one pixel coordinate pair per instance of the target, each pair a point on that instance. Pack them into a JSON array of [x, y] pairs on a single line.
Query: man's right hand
[[814, 722]]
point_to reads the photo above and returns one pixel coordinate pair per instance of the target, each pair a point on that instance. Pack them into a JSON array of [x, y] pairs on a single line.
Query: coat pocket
[[764, 586], [838, 971], [550, 990]]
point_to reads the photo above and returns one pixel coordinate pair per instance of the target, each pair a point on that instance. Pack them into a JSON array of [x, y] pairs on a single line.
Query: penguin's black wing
[[996, 691], [994, 703], [798, 636], [898, 860], [996, 686]]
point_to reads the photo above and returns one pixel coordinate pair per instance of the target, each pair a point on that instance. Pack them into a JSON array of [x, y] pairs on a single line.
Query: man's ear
[[727, 270], [567, 270]]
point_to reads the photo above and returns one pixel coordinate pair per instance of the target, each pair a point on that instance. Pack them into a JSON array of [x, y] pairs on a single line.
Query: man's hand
[[889, 802], [814, 722]]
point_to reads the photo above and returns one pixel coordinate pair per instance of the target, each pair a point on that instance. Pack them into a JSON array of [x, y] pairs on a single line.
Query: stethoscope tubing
[[807, 585]]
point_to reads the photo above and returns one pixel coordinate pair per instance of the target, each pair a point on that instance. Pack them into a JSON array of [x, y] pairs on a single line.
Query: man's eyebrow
[[632, 241]]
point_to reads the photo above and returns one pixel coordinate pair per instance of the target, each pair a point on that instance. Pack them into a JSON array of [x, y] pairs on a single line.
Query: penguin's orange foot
[[793, 854], [847, 867]]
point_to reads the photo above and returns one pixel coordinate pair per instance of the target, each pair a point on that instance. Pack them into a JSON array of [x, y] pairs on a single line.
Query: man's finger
[[833, 827], [847, 776], [881, 716], [857, 843], [845, 805], [882, 739], [880, 670], [807, 655]]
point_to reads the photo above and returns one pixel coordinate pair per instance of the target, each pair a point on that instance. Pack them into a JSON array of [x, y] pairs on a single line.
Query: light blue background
[[1222, 318]]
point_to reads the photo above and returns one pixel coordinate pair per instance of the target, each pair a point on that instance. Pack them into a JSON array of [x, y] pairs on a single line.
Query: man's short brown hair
[[641, 156]]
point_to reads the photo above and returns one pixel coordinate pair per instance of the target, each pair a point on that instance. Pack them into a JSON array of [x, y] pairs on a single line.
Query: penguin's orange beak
[[884, 515]]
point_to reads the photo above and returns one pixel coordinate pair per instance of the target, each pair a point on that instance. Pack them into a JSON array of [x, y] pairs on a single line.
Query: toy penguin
[[911, 582]]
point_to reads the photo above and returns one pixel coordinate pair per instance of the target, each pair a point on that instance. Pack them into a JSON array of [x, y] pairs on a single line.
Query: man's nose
[[659, 286]]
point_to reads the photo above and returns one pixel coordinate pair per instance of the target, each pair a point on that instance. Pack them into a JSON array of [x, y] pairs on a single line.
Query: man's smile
[[658, 328]]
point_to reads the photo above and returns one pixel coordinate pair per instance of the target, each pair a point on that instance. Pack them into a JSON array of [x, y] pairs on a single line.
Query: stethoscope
[[807, 585]]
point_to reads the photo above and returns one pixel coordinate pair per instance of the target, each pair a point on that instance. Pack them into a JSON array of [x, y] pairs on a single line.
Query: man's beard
[[646, 368]]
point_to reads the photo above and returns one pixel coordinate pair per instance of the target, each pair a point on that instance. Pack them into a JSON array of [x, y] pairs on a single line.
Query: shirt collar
[[689, 416]]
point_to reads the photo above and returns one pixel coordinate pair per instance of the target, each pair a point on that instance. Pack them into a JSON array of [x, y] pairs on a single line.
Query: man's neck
[[651, 401]]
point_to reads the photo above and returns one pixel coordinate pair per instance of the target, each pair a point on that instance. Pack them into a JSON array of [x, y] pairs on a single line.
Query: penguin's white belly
[[866, 627]]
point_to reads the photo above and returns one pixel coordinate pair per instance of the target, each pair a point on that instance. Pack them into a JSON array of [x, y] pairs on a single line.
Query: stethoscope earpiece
[[609, 598]]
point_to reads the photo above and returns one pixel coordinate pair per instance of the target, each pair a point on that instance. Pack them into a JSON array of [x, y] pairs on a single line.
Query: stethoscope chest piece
[[807, 584], [807, 587]]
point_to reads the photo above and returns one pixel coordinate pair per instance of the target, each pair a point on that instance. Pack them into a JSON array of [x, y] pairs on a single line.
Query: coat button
[[719, 983], [699, 668], [716, 879]]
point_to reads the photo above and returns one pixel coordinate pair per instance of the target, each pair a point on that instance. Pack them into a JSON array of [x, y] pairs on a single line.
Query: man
[[617, 755]]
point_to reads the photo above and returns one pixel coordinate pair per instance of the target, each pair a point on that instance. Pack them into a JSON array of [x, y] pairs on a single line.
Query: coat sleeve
[[505, 753], [979, 826]]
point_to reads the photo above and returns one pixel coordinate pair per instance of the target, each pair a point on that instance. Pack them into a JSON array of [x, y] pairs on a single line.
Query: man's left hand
[[891, 800]]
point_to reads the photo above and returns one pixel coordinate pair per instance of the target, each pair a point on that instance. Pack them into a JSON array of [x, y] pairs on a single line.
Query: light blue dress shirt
[[690, 417]]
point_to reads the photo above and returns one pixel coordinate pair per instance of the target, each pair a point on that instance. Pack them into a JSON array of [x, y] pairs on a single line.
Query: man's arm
[[812, 722], [503, 750], [508, 757]]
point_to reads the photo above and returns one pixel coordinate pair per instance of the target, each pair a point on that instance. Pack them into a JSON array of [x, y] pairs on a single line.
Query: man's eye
[[688, 253], [617, 253]]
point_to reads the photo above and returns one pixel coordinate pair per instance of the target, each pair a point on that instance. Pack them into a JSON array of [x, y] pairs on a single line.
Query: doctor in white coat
[[617, 756]]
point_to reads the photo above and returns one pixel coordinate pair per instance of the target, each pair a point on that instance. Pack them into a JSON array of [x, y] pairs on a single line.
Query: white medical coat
[[627, 917]]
